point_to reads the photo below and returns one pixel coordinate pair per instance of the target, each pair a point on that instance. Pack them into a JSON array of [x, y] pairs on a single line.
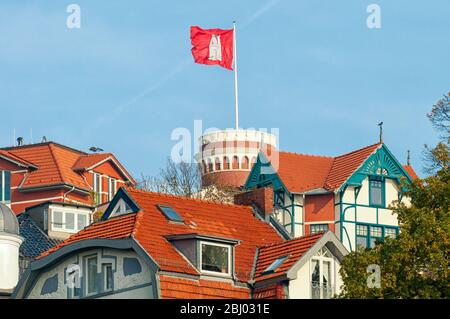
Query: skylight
[[274, 266], [170, 213]]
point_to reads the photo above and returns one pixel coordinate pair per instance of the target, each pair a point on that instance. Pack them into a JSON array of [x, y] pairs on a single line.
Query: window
[[69, 221], [390, 232], [5, 186], [107, 277], [215, 258], [367, 236], [376, 235], [376, 191], [170, 213], [81, 221], [318, 228], [322, 275], [361, 236], [91, 275], [226, 163], [112, 184], [274, 266], [97, 188], [58, 220]]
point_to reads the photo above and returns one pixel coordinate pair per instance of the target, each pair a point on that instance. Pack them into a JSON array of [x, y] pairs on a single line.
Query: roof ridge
[[359, 149], [292, 240], [303, 154], [204, 201], [58, 168], [42, 144]]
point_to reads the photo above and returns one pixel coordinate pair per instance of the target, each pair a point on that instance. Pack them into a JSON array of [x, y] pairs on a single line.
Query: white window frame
[[215, 273], [98, 195], [86, 279], [321, 259], [111, 181], [64, 212], [105, 276]]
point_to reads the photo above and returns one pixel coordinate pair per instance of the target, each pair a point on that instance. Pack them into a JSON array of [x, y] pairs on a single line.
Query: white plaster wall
[[9, 260], [120, 281], [300, 288]]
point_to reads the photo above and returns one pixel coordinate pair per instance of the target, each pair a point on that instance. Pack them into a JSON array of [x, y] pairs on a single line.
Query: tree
[[185, 179], [416, 264]]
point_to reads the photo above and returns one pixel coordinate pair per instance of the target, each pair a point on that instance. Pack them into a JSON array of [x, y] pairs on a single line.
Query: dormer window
[[215, 258]]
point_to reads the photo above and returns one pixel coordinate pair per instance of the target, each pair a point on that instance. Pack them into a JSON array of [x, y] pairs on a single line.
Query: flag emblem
[[213, 47]]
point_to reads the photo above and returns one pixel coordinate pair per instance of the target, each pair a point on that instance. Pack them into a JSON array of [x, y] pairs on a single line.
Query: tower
[[10, 242], [226, 157]]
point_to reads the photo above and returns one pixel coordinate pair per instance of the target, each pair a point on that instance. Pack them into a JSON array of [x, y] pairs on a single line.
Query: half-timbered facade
[[348, 194]]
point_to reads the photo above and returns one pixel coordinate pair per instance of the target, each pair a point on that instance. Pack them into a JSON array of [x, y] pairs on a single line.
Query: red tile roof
[[300, 172], [55, 164], [411, 172], [345, 165], [89, 160], [114, 228], [16, 159], [182, 288], [294, 249], [150, 227]]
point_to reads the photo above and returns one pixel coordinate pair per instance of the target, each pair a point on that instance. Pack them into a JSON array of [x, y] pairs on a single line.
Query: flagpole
[[235, 76]]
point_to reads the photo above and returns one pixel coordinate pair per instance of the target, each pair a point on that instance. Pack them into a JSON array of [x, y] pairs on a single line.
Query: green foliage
[[416, 264]]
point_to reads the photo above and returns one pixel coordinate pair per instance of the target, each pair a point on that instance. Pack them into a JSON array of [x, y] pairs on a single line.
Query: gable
[[263, 174], [382, 162], [121, 204]]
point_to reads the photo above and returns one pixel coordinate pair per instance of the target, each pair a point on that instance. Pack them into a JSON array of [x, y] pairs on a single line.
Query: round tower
[[10, 242], [226, 157]]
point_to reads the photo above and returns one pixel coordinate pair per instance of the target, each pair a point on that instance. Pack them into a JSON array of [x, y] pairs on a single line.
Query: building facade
[[226, 157], [349, 194], [37, 173], [150, 245]]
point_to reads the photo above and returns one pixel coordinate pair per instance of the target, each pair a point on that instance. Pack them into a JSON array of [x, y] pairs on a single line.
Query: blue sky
[[312, 69]]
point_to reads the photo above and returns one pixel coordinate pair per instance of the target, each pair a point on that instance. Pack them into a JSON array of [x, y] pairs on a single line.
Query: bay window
[[68, 221]]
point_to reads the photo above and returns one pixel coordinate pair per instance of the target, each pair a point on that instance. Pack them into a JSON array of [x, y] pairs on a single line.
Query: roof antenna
[[381, 131], [408, 159]]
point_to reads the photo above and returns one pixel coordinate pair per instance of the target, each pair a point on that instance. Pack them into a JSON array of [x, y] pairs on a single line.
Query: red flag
[[213, 46]]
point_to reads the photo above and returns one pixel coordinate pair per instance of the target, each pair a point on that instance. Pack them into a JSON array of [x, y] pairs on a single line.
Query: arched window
[[253, 162], [217, 164], [226, 163], [235, 162], [204, 167], [210, 166], [245, 163]]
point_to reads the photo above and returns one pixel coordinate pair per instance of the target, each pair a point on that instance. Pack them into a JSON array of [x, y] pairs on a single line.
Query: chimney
[[260, 198]]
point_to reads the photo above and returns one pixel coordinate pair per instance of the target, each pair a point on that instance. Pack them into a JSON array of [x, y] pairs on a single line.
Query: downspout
[[303, 214], [68, 192]]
